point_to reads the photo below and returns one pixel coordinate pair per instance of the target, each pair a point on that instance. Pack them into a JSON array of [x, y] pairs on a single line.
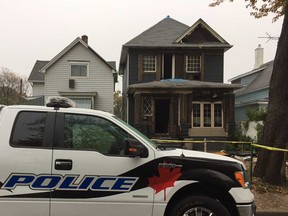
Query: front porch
[[182, 108]]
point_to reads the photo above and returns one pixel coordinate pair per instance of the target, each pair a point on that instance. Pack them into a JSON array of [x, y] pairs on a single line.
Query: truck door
[[26, 155], [97, 175]]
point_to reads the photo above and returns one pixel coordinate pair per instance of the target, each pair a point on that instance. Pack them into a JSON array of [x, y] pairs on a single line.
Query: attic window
[[149, 63], [193, 63], [79, 69]]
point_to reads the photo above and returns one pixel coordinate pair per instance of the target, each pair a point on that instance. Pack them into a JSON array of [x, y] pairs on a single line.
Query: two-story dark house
[[173, 81]]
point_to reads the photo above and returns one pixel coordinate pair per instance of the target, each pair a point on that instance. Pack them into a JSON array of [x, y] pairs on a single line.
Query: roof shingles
[[35, 75]]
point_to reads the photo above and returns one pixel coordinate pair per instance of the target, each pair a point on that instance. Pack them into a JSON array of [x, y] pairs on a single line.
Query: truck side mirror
[[134, 148]]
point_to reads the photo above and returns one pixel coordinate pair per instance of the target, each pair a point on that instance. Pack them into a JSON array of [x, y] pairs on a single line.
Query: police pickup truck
[[57, 161]]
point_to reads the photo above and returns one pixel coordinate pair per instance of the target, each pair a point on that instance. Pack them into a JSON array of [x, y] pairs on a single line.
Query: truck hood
[[194, 154]]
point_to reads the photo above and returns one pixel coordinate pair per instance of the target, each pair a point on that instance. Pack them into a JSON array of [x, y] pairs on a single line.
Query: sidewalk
[[271, 204], [267, 213]]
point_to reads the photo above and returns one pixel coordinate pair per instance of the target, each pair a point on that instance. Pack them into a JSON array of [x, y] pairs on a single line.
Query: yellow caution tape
[[269, 147], [199, 141], [219, 141]]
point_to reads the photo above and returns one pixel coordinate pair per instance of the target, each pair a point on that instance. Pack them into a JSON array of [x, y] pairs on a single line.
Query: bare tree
[[13, 88]]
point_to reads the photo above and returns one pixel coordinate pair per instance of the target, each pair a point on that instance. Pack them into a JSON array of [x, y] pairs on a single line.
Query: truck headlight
[[240, 176]]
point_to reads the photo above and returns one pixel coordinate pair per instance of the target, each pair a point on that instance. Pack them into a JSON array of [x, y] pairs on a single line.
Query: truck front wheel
[[198, 206]]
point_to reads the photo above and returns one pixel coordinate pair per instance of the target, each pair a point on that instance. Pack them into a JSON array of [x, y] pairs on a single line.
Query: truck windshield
[[137, 132]]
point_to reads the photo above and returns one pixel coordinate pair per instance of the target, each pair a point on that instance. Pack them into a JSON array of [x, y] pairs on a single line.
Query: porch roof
[[181, 84]]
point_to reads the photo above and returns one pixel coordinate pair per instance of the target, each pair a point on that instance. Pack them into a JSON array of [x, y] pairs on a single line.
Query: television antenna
[[269, 37]]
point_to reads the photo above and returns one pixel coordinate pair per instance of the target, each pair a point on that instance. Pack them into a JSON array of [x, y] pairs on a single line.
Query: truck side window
[[84, 132], [29, 129]]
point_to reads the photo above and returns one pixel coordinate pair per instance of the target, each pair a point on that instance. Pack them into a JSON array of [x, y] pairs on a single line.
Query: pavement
[[271, 204], [272, 213]]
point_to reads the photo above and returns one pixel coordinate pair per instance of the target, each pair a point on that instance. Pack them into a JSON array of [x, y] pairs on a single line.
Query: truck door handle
[[63, 164]]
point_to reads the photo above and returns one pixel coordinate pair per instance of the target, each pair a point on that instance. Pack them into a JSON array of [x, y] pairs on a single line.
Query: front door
[[162, 116], [97, 178]]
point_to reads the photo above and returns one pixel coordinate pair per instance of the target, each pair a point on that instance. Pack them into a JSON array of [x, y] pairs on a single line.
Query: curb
[[271, 213]]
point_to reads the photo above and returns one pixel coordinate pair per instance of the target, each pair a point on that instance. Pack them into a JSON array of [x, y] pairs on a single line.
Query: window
[[29, 129], [196, 115], [84, 132], [149, 63], [217, 115], [147, 106], [79, 69], [85, 103], [193, 63], [207, 114]]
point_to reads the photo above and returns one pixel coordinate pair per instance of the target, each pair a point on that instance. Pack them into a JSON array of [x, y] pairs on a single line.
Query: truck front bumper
[[247, 210]]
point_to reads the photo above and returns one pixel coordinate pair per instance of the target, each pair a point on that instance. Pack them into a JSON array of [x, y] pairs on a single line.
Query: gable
[[172, 34], [201, 32], [200, 35], [79, 55], [77, 41]]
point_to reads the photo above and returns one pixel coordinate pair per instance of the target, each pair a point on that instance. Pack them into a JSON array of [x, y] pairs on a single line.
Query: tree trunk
[[270, 163]]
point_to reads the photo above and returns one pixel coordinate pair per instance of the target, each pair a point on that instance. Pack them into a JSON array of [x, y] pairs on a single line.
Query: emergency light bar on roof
[[60, 102]]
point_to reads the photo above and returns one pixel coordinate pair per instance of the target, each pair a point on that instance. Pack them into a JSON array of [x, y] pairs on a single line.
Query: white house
[[77, 72]]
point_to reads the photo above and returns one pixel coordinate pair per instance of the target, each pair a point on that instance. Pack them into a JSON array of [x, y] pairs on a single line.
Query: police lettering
[[70, 182]]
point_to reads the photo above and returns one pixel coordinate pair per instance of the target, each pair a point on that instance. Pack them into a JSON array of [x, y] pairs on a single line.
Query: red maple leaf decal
[[166, 178]]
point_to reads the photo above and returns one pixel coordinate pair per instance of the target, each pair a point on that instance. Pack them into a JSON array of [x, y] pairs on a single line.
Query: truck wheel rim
[[199, 211]]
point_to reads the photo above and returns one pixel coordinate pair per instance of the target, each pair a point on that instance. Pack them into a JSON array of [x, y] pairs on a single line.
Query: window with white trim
[[196, 115], [193, 63], [79, 69], [207, 115], [149, 63], [85, 103], [147, 106]]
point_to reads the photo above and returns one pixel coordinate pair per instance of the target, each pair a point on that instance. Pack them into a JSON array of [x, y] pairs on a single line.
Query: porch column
[[229, 112], [173, 116], [184, 115], [138, 109]]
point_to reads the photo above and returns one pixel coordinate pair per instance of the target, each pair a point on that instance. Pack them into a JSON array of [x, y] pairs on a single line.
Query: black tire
[[205, 206]]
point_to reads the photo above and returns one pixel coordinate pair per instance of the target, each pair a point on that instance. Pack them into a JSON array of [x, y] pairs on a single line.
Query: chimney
[[259, 56], [85, 38]]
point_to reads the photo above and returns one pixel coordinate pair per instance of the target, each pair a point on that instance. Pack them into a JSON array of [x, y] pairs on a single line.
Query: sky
[[33, 30]]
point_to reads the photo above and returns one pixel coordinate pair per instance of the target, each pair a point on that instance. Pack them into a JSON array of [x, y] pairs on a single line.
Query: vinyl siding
[[133, 69], [149, 77], [38, 89], [131, 111], [213, 68], [240, 100], [261, 94], [124, 92], [240, 114], [100, 78]]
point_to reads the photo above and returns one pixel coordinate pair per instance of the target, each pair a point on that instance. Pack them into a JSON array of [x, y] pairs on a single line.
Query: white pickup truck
[[57, 161]]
